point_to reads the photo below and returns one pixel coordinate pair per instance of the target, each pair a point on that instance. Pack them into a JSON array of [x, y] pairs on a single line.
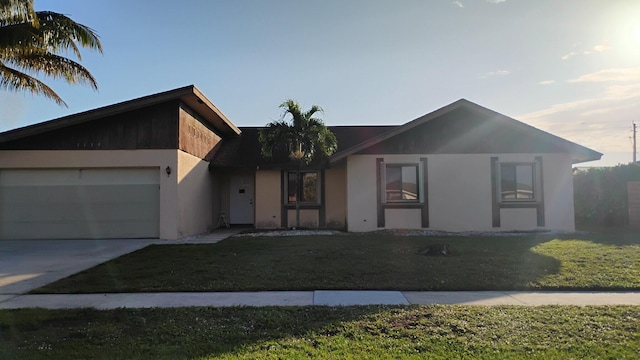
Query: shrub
[[600, 195]]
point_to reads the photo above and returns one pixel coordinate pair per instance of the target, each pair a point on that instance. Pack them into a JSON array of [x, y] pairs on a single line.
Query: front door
[[241, 199]]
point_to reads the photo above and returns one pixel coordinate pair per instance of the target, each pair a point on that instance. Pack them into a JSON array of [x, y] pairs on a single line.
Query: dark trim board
[[540, 177], [322, 222], [285, 207], [284, 221], [380, 206], [425, 188], [496, 205], [424, 206]]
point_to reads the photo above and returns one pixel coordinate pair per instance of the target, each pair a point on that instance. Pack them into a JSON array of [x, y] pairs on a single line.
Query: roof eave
[[201, 104], [586, 156]]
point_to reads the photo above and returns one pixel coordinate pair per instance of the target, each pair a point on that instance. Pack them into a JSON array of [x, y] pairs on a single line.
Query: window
[[517, 182], [308, 192], [401, 183]]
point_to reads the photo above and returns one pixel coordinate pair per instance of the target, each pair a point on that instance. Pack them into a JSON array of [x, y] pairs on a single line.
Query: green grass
[[384, 262], [371, 332]]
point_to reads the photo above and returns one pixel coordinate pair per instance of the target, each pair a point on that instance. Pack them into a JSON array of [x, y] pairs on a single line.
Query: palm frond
[[305, 135], [53, 65], [314, 109], [31, 43], [275, 135], [61, 33], [18, 36], [15, 80], [17, 11]]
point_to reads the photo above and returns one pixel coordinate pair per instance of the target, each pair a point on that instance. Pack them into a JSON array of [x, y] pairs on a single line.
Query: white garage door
[[79, 203]]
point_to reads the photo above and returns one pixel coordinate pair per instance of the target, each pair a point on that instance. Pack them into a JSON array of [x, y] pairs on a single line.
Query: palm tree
[[30, 43], [302, 138]]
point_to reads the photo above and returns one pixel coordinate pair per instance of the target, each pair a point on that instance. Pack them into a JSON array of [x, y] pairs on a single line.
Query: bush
[[600, 195]]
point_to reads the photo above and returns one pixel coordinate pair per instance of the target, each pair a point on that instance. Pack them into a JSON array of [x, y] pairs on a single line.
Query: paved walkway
[[213, 237], [319, 297]]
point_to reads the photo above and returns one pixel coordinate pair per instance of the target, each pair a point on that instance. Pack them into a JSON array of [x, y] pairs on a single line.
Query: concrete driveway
[[28, 264]]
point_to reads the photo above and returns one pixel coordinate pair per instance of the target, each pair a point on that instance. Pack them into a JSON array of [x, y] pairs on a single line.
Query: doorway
[[241, 199]]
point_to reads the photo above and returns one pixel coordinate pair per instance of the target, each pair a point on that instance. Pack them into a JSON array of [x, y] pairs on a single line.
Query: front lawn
[[371, 332], [372, 261]]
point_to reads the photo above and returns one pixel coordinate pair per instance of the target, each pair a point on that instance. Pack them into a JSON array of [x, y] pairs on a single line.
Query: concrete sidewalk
[[318, 297]]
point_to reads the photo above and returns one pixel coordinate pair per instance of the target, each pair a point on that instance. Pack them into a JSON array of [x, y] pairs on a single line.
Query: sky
[[569, 67]]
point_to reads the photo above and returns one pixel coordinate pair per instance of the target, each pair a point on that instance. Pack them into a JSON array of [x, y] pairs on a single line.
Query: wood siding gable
[[153, 127], [196, 136], [462, 131]]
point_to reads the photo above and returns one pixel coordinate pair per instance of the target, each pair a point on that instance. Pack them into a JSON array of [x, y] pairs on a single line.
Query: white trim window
[[401, 183], [518, 182], [308, 193]]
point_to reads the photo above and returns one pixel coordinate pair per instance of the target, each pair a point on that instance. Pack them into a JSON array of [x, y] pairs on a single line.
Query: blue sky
[[570, 67]]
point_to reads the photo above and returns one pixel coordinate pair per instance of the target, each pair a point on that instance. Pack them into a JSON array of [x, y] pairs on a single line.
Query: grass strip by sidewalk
[[416, 332], [382, 262]]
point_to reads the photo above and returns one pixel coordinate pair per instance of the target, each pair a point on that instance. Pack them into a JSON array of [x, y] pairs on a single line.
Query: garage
[[79, 203]]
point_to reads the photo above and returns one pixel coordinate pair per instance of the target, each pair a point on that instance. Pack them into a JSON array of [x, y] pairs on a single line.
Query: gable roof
[[579, 152], [190, 95]]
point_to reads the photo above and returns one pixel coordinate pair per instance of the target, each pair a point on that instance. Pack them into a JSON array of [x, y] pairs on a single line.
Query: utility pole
[[635, 132]]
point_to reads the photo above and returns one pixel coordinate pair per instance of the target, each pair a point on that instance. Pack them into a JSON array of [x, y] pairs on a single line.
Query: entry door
[[241, 199]]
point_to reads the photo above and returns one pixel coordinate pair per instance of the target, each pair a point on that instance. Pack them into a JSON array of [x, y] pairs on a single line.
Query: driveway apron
[[29, 264]]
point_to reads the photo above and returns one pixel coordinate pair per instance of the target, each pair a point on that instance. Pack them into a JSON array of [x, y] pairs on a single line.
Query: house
[[168, 165]]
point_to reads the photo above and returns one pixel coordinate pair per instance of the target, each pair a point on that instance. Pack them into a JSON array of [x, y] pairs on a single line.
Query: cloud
[[546, 82], [496, 1], [495, 73], [458, 4], [611, 75], [600, 48], [600, 121]]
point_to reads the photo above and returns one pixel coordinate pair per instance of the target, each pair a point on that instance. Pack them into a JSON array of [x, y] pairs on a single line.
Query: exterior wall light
[[168, 170]]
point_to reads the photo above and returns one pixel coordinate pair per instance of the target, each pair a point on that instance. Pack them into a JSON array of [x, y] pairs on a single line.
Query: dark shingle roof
[[458, 128], [244, 151], [485, 133]]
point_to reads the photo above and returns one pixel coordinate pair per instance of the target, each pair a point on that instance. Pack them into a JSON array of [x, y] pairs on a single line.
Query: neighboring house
[[168, 165]]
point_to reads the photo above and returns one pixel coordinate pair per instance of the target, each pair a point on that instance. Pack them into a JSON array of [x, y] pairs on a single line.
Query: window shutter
[[383, 182]]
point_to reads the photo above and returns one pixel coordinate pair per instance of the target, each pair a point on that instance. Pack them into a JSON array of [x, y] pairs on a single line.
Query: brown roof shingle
[[244, 151]]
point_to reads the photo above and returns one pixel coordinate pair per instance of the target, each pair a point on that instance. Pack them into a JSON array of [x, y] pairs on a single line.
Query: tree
[[302, 137], [31, 42]]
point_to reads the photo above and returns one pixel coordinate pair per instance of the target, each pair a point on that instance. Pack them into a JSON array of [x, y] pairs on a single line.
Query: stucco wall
[[222, 182], [20, 159], [335, 197], [309, 218], [403, 218], [196, 196], [558, 192], [268, 199], [459, 194]]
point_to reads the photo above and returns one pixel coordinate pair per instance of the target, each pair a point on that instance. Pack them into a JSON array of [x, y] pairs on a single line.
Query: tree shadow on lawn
[[481, 263], [180, 333], [615, 236], [322, 263]]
